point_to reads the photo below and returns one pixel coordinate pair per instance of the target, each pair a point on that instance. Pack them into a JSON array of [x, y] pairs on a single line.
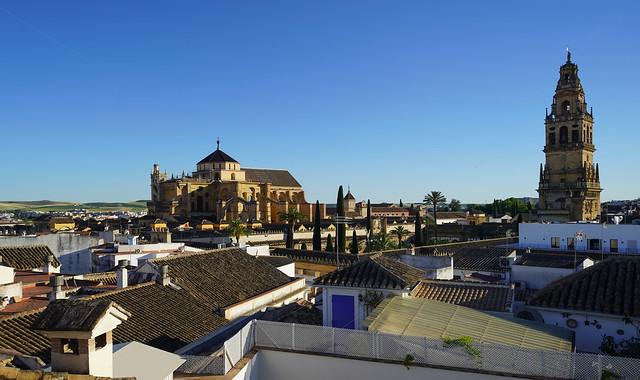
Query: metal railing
[[482, 357]]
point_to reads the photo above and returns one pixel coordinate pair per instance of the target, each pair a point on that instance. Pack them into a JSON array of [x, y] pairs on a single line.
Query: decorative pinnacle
[[568, 56], [218, 143]]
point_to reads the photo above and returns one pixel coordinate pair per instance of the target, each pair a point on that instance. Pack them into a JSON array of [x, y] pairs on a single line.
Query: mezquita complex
[[569, 186], [221, 189]]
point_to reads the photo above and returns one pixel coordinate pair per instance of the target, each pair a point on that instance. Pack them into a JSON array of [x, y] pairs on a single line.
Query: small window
[[555, 242], [70, 346], [613, 245], [101, 341], [571, 243], [594, 244]]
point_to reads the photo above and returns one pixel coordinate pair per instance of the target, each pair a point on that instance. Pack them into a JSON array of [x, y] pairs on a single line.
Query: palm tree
[[291, 216], [435, 198], [400, 231], [238, 228], [380, 242]]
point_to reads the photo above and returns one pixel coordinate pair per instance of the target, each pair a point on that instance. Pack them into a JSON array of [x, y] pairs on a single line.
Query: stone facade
[[569, 185], [221, 190]]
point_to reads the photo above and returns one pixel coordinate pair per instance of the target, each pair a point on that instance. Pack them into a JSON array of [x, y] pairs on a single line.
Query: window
[[555, 242], [69, 346], [101, 341], [571, 243], [564, 134], [613, 245], [566, 107], [575, 136], [594, 244], [552, 138]]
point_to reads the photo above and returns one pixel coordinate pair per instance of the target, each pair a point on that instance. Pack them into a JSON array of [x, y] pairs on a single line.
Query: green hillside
[[45, 205]]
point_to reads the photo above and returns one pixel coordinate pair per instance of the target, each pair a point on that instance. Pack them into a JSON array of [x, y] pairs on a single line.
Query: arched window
[[575, 135], [233, 176], [566, 107], [564, 135], [216, 176]]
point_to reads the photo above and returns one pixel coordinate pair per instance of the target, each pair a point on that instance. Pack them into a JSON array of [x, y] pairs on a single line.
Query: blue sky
[[393, 98]]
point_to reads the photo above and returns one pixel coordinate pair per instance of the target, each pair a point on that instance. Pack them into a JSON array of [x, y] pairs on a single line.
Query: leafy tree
[[329, 247], [455, 205], [354, 243], [238, 228], [341, 232], [400, 232], [436, 199], [291, 216], [417, 239], [317, 232]]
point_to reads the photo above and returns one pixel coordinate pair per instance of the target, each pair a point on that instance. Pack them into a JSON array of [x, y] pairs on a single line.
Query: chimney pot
[[122, 278], [56, 288]]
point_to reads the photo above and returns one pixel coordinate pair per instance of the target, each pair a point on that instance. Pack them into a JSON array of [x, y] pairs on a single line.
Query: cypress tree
[[401, 205], [369, 226], [417, 240], [341, 233], [329, 247], [317, 237], [354, 243]]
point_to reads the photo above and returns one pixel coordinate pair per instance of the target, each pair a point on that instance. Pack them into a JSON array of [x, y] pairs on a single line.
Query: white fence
[[418, 350]]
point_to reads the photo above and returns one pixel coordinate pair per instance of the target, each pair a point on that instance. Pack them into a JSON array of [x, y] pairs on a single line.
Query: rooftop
[[376, 271], [608, 287], [436, 320], [550, 260], [73, 314], [28, 257], [217, 156], [317, 257], [476, 296]]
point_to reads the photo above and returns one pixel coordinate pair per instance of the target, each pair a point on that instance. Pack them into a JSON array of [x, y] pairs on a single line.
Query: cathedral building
[[221, 190], [569, 186]]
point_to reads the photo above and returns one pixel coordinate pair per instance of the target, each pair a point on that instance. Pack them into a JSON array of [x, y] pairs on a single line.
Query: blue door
[[342, 312]]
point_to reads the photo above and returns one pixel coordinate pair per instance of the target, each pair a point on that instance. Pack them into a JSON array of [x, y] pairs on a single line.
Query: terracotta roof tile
[[27, 258], [376, 271], [276, 177], [611, 286], [477, 296]]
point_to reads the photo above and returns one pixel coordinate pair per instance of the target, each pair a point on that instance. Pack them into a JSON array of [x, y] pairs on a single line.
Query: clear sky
[[394, 98]]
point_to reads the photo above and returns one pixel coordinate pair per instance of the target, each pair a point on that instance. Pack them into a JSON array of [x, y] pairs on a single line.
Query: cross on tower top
[[218, 143]]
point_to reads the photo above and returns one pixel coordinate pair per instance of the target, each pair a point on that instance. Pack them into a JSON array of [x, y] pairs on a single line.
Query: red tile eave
[[24, 305], [32, 277]]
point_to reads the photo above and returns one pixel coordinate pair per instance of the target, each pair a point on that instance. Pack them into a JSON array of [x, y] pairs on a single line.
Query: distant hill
[[46, 205]]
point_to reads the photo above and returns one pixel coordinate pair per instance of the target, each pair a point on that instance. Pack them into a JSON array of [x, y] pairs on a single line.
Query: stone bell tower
[[569, 186]]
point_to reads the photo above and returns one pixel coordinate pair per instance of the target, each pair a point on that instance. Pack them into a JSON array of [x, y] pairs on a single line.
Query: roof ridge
[[117, 291], [25, 246], [389, 271], [191, 253]]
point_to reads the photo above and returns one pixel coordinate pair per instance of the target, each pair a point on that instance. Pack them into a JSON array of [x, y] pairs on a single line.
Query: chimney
[[164, 276], [48, 266], [122, 279], [56, 292]]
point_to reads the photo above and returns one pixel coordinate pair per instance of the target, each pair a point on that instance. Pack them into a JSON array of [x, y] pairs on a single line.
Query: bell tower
[[569, 184]]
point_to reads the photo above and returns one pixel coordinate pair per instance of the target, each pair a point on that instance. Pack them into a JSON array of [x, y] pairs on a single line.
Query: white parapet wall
[[559, 235]]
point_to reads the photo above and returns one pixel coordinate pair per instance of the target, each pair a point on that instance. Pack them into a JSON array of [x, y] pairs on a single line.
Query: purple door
[[342, 312]]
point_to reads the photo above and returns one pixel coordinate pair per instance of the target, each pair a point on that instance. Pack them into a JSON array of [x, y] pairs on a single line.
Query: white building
[[583, 237], [537, 270]]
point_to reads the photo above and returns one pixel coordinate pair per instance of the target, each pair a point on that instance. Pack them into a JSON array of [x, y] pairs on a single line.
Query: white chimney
[[164, 279], [56, 292], [122, 279], [48, 266]]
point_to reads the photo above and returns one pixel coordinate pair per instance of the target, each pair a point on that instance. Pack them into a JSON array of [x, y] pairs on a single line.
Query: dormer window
[[101, 341]]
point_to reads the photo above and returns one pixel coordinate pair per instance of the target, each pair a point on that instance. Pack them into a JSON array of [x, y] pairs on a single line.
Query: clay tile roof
[[105, 278], [376, 271], [217, 156], [276, 177], [161, 316], [476, 296], [73, 315], [317, 257], [27, 258], [222, 277], [349, 195], [485, 259], [609, 287]]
